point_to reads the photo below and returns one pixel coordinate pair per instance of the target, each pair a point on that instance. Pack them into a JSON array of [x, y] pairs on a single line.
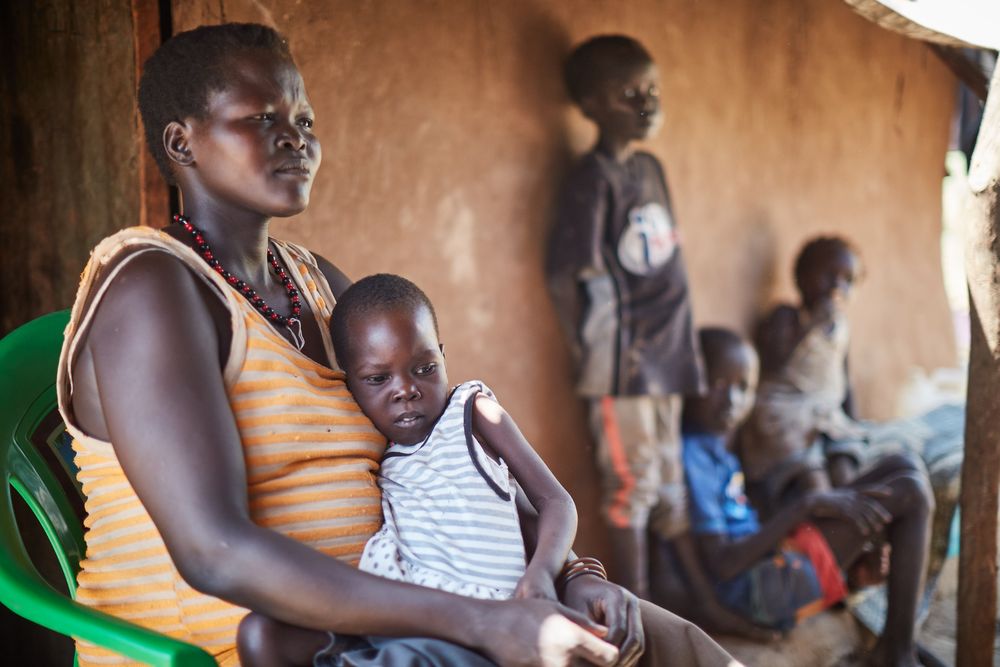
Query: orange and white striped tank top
[[311, 457]]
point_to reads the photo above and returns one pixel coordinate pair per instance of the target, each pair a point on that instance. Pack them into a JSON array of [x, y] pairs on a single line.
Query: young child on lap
[[455, 461], [781, 570]]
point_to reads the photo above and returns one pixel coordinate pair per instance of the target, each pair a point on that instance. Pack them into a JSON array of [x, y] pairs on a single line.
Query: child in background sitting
[[780, 571], [800, 435], [448, 475]]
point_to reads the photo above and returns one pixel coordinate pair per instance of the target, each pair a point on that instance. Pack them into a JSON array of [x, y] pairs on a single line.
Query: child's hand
[[824, 311], [715, 618], [536, 584], [858, 506]]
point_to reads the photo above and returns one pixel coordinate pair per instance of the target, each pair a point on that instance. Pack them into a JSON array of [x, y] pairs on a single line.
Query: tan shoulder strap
[[106, 261], [314, 287]]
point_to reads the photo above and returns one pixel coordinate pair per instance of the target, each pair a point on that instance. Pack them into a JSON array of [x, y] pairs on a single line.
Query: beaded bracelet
[[579, 567]]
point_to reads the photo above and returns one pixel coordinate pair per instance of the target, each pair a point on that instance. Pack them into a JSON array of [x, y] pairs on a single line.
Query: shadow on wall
[[543, 44], [761, 267]]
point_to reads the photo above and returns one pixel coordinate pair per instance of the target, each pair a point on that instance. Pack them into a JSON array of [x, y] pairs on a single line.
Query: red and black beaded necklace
[[292, 322]]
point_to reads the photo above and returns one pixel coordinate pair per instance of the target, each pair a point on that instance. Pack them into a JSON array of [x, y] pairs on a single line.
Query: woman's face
[[254, 148]]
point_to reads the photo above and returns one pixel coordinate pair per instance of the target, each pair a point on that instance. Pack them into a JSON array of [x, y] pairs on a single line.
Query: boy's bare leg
[[909, 501], [630, 559], [667, 588], [264, 642]]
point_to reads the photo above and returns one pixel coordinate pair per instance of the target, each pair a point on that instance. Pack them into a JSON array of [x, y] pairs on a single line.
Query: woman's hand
[[613, 606], [859, 507], [542, 633]]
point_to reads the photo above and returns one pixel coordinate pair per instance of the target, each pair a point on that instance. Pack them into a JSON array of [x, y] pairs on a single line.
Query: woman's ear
[[175, 143]]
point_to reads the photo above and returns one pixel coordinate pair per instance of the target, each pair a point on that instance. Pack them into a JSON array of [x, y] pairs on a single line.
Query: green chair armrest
[[40, 604]]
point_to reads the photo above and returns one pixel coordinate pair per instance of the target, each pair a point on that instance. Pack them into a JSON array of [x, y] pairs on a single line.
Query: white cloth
[[450, 518]]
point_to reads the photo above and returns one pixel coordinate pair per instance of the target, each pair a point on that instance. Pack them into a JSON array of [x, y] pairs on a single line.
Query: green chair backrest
[[28, 359], [32, 451]]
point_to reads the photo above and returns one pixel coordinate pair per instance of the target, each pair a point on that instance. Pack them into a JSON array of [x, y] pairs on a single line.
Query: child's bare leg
[[909, 501], [262, 641], [630, 559]]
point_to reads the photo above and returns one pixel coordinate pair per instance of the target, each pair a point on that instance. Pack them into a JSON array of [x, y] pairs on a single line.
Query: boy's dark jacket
[[616, 273]]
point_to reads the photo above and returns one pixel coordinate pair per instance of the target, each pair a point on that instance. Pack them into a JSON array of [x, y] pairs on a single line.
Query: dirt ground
[[938, 632], [832, 639]]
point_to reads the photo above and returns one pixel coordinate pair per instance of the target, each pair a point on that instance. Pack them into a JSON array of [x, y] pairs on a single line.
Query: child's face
[[829, 280], [626, 105], [254, 149], [396, 372], [732, 388]]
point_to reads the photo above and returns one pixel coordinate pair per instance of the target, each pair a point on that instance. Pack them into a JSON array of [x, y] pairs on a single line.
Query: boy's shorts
[[639, 460], [799, 581]]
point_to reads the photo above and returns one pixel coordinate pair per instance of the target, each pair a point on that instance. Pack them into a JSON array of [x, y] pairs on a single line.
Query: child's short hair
[[178, 78], [818, 247], [592, 62], [378, 293], [716, 340]]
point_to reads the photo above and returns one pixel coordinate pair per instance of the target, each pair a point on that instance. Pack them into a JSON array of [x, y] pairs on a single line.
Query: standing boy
[[618, 281]]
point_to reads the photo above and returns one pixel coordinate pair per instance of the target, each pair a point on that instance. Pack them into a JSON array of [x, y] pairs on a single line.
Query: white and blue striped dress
[[450, 518]]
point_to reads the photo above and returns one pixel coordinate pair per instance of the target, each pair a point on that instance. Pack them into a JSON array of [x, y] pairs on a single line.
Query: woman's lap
[[670, 640], [397, 652]]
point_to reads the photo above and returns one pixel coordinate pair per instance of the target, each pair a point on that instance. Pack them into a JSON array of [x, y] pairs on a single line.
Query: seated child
[[780, 571], [448, 475], [799, 435]]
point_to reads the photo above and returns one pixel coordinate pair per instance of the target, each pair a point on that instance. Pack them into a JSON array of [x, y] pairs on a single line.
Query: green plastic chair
[[29, 425]]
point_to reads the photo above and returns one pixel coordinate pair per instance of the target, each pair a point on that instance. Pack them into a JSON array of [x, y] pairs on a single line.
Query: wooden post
[[154, 195], [977, 579]]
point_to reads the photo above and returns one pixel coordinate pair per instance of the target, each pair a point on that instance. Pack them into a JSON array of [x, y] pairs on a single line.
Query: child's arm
[[848, 405], [574, 254], [709, 613], [776, 337], [556, 530], [841, 469], [727, 558]]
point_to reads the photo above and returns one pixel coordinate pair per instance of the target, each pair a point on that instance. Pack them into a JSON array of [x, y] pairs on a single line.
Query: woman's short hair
[[180, 75]]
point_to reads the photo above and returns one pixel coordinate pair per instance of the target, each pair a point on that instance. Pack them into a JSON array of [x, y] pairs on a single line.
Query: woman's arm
[[556, 526], [154, 346]]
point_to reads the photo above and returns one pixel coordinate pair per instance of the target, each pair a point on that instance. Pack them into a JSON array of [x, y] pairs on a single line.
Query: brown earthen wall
[[68, 150], [67, 165]]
